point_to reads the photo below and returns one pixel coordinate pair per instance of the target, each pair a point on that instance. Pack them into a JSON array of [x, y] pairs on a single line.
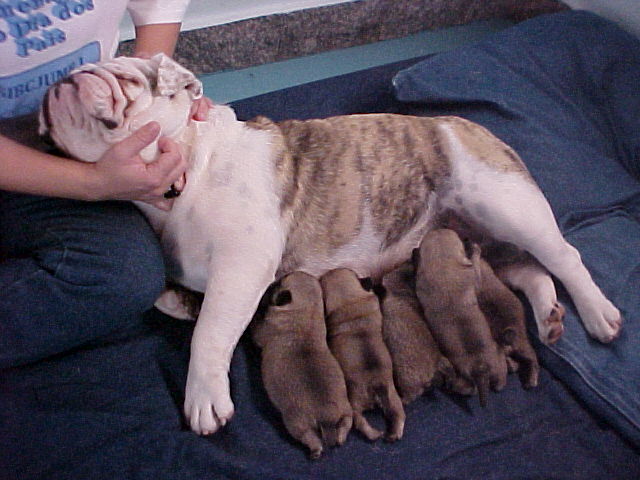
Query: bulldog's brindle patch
[[302, 378], [264, 199]]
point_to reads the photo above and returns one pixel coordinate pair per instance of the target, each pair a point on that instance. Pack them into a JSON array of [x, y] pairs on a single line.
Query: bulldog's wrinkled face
[[98, 105]]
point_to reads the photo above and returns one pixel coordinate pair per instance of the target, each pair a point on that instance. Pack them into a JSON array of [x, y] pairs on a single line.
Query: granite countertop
[[278, 37]]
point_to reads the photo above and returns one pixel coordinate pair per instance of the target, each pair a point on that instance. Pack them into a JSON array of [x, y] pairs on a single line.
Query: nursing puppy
[[505, 315], [418, 364], [265, 199], [301, 377], [447, 285], [354, 334]]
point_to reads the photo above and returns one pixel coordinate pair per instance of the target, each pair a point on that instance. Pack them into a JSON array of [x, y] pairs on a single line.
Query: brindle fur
[[333, 172]]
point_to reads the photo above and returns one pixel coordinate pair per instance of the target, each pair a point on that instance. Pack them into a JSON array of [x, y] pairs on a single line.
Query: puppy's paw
[[314, 444], [602, 320], [551, 328], [361, 424], [208, 406]]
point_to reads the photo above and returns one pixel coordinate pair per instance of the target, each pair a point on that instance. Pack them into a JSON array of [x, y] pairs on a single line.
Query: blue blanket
[[111, 409]]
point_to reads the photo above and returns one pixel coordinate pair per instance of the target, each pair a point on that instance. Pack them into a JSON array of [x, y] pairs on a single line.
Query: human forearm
[[120, 174], [156, 38], [23, 169]]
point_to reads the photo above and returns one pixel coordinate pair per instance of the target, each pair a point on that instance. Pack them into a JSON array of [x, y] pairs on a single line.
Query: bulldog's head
[[100, 104]]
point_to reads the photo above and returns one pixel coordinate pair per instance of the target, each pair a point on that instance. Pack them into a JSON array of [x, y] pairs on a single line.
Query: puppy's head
[[439, 249], [294, 304], [100, 104], [342, 286]]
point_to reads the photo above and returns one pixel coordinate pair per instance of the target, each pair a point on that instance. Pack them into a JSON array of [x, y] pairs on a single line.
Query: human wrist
[[88, 182]]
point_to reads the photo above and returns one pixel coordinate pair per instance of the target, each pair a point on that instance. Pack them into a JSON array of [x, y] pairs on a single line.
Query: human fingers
[[200, 109], [168, 169], [171, 162]]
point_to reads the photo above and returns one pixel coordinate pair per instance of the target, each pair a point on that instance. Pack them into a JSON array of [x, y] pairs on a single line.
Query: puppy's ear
[[366, 283], [471, 249], [281, 298], [267, 297]]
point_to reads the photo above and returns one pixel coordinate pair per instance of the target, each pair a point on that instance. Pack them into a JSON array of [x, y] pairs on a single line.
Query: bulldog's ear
[[172, 77]]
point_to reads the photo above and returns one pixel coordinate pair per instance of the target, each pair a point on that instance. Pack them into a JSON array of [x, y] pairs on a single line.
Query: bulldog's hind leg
[[513, 209]]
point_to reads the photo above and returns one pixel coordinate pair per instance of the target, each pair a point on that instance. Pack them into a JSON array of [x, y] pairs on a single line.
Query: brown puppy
[[505, 314], [354, 332], [418, 364], [312, 395], [447, 284]]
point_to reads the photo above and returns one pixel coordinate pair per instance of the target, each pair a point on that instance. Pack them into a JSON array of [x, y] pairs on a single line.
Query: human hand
[[200, 109], [122, 174]]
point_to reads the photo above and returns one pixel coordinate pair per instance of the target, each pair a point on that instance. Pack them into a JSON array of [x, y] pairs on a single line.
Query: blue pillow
[[564, 91]]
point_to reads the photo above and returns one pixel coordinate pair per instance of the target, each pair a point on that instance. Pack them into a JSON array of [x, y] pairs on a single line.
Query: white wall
[[624, 12], [204, 13]]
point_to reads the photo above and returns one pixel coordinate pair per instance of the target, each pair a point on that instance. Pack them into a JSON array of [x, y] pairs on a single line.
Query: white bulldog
[[263, 199]]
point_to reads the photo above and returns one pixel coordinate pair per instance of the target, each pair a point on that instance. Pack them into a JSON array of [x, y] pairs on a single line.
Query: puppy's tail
[[480, 376]]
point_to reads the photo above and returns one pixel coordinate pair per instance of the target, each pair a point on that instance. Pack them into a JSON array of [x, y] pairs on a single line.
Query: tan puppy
[[418, 364], [447, 284], [354, 329], [302, 378], [505, 314]]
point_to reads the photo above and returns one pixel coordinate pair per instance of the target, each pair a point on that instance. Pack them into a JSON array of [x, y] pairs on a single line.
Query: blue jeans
[[71, 272]]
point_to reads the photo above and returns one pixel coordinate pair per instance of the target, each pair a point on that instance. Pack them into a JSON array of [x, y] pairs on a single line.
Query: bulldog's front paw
[[207, 405], [602, 320]]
